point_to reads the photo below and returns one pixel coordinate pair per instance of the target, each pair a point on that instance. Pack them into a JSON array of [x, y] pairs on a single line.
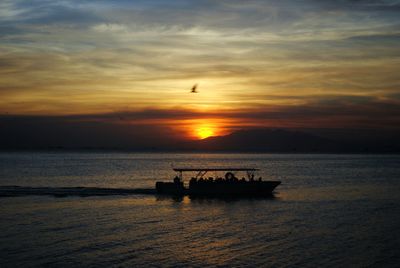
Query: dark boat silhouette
[[229, 185]]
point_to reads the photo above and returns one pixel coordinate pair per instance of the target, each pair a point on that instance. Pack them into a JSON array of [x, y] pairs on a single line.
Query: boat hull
[[224, 188], [170, 188], [252, 188]]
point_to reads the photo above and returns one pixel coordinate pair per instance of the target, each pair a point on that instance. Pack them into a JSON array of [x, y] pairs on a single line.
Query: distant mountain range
[[47, 134], [268, 140], [282, 140]]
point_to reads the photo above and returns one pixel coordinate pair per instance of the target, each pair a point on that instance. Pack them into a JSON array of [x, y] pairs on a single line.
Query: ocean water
[[329, 211]]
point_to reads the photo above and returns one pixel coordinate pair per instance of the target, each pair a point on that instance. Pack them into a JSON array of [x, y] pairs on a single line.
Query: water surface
[[330, 210]]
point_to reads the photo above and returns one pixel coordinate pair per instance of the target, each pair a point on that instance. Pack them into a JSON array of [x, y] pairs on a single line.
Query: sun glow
[[202, 128], [204, 131]]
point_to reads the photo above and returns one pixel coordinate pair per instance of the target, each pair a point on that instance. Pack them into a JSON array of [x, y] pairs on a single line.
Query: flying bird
[[194, 89]]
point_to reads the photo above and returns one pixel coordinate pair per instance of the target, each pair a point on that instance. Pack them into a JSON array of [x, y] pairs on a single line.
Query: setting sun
[[201, 128], [204, 132]]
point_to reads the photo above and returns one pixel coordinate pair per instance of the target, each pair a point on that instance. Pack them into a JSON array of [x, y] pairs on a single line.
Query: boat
[[229, 185]]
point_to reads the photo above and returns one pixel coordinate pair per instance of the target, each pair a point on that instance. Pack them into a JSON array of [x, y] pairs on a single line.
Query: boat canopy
[[201, 171], [216, 169]]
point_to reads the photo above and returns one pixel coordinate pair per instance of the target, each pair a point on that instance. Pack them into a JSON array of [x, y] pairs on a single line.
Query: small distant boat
[[229, 185]]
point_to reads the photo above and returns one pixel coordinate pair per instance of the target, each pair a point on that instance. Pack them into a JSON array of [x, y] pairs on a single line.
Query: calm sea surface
[[329, 211]]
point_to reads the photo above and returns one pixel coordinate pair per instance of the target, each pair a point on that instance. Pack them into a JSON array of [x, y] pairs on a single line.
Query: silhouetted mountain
[[55, 133], [268, 140], [280, 140]]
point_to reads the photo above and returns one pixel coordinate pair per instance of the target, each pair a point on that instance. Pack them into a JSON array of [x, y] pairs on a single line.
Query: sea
[[330, 211]]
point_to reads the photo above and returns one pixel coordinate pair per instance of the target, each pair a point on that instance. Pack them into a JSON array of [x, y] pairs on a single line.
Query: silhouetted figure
[[177, 180], [259, 179], [229, 176]]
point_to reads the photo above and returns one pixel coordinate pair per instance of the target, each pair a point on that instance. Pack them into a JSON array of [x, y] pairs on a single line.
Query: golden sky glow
[[204, 131], [257, 63]]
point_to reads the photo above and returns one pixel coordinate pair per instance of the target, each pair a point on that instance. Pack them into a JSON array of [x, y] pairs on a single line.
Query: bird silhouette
[[194, 89]]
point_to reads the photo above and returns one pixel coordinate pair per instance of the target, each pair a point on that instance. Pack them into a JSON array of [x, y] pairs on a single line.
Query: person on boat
[[229, 176], [177, 180]]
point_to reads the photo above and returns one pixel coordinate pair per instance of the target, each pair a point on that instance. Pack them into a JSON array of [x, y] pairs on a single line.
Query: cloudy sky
[[287, 63]]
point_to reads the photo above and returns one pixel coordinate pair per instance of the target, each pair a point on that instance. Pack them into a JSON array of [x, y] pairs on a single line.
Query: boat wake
[[11, 191]]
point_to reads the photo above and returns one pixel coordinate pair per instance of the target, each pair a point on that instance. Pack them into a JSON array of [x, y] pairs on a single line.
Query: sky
[[280, 64]]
